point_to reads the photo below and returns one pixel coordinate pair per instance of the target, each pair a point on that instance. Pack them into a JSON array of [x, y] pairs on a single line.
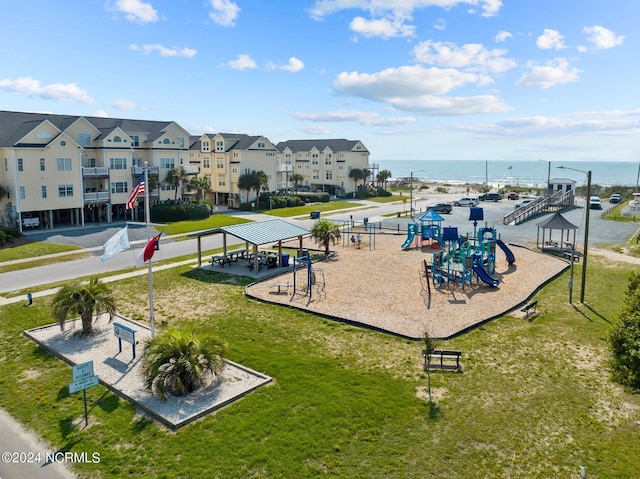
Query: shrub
[[383, 192], [294, 201], [197, 211], [4, 238], [12, 232], [168, 213], [180, 361], [625, 338]]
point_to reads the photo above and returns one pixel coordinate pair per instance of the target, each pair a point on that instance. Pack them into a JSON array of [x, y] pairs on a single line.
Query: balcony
[[95, 172], [284, 168], [96, 197], [191, 170], [138, 170]]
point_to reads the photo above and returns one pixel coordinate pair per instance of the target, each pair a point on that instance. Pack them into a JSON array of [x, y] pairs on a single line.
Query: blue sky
[[413, 79]]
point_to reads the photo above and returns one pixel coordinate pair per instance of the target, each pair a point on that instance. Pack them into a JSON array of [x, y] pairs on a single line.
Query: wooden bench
[[443, 354], [531, 306], [576, 256], [221, 260]]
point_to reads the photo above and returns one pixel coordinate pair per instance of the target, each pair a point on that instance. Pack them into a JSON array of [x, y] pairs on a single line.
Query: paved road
[[23, 455]]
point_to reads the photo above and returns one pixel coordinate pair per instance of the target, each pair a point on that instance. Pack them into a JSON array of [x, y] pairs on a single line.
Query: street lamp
[[548, 177], [411, 193], [586, 229]]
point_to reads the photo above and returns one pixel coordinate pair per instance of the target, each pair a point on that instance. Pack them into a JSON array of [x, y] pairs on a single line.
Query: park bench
[[531, 306], [443, 354], [576, 256]]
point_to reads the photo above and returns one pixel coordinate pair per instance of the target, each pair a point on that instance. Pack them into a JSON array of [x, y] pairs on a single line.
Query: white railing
[[95, 171], [97, 197]]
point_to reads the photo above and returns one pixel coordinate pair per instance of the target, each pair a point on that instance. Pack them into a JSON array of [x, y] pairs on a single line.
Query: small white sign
[[124, 333], [82, 371], [83, 384]]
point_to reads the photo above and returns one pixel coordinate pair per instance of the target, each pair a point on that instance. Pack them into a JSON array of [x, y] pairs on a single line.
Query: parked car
[[595, 203], [445, 208], [615, 198], [524, 202], [466, 201], [490, 197], [512, 195]]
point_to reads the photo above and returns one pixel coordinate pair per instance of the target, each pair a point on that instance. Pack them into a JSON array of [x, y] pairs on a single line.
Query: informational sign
[[123, 333], [81, 371], [83, 378], [83, 383]]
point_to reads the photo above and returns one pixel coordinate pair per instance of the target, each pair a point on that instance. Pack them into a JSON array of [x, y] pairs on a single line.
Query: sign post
[[122, 332], [83, 378]]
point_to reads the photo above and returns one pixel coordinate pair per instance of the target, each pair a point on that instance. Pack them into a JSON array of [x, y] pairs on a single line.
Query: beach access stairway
[[558, 201]]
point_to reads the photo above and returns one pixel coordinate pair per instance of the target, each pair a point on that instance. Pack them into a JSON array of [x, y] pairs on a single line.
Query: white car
[[467, 201], [524, 202], [595, 203]]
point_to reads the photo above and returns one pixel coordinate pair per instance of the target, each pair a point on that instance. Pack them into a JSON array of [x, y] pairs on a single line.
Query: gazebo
[[556, 222], [254, 234]]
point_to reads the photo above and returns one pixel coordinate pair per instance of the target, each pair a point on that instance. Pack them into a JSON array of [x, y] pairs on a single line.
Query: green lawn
[[214, 221], [305, 210], [30, 250], [534, 400], [385, 199]]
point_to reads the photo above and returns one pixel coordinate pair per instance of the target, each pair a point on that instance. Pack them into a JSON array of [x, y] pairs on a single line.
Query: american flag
[[137, 191]]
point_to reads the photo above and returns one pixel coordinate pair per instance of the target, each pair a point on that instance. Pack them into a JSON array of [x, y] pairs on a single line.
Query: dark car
[[513, 196], [490, 197], [445, 208]]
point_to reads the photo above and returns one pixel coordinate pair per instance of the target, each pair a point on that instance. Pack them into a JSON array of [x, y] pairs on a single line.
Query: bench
[[31, 222], [221, 260], [531, 306], [443, 354], [281, 288], [576, 256]]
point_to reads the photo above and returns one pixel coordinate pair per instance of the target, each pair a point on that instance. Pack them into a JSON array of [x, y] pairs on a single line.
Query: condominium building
[[68, 170]]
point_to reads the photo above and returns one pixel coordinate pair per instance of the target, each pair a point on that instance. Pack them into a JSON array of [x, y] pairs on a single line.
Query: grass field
[[305, 210], [534, 400]]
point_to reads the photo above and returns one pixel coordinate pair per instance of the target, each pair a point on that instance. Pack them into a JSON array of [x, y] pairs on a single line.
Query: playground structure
[[458, 258], [306, 278], [351, 227]]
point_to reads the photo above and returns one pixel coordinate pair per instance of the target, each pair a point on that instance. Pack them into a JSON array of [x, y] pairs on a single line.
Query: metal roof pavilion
[[256, 233]]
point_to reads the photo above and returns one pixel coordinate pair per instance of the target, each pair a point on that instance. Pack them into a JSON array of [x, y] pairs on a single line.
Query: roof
[[430, 215], [320, 144], [259, 232], [557, 222]]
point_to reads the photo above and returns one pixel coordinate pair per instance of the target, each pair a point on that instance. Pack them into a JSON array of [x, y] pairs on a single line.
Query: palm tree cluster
[[85, 300], [324, 233], [179, 361], [253, 181]]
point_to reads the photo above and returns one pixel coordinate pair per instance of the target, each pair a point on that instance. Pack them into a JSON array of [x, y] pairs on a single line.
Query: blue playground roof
[[430, 215]]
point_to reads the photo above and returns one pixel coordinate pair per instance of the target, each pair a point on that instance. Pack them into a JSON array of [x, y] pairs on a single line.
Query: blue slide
[[410, 237], [510, 257], [485, 277]]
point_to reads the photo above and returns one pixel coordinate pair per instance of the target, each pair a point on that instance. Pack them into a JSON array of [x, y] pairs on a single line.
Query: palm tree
[[260, 181], [357, 174], [86, 300], [384, 175], [179, 361], [175, 177], [202, 185], [296, 179], [246, 182], [324, 232]]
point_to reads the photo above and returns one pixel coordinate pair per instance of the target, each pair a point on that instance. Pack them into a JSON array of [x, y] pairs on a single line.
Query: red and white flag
[[147, 253], [137, 190]]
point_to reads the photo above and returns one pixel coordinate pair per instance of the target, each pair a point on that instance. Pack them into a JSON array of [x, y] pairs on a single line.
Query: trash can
[[315, 215], [285, 259]]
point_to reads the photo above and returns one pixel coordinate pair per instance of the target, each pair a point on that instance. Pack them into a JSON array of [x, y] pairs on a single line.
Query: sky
[[446, 80]]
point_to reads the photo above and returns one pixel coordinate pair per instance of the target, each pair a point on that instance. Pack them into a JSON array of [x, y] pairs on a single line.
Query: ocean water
[[518, 173]]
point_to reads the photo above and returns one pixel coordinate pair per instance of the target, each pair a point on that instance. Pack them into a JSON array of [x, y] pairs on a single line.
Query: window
[[205, 146], [234, 170], [135, 140], [63, 164], [167, 163], [117, 139], [329, 175], [44, 191], [220, 164], [222, 181], [314, 159], [166, 141], [23, 193], [42, 168], [84, 139], [316, 175], [119, 187], [167, 187], [20, 165], [118, 163], [65, 190], [6, 165], [327, 161], [181, 140], [63, 143], [137, 162], [206, 163], [90, 162]]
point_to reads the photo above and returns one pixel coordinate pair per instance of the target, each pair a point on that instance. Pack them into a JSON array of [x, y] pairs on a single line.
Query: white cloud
[[314, 130], [56, 91], [440, 24], [449, 106], [471, 55], [242, 62], [122, 104], [136, 10], [224, 12], [558, 126], [384, 28], [550, 40], [163, 51], [502, 36], [397, 8], [554, 72], [364, 118], [100, 114], [294, 65], [603, 38]]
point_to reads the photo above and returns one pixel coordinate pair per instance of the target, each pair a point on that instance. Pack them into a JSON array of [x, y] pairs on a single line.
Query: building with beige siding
[[69, 170]]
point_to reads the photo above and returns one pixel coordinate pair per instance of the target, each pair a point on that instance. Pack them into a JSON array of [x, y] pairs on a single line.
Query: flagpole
[[147, 218]]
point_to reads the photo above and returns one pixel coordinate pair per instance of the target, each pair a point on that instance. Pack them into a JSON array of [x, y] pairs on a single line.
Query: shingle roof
[[321, 144], [260, 232], [557, 222]]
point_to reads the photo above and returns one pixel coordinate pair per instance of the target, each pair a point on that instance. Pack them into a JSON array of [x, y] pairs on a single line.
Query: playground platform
[[381, 289]]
